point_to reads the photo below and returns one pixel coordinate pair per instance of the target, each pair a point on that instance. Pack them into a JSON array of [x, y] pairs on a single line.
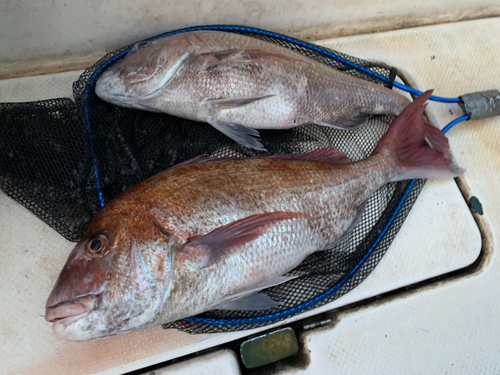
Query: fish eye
[[142, 44], [97, 245]]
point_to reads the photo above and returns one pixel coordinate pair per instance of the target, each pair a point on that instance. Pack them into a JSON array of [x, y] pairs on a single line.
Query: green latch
[[269, 348]]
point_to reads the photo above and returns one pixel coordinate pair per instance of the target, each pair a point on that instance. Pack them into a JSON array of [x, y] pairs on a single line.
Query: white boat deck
[[447, 325]]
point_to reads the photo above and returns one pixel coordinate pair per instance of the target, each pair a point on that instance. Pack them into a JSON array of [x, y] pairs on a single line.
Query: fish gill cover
[[63, 160]]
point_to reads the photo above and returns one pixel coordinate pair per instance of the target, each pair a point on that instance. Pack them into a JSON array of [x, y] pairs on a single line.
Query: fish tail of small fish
[[417, 148]]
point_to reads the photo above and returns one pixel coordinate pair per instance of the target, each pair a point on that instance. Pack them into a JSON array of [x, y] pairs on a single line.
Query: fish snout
[[69, 290], [81, 280], [108, 85]]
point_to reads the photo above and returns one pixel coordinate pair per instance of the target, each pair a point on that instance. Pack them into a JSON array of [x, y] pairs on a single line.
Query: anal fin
[[353, 122], [250, 302], [245, 136], [251, 299], [355, 221]]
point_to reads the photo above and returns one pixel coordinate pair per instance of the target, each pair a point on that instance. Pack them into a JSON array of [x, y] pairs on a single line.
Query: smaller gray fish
[[239, 84]]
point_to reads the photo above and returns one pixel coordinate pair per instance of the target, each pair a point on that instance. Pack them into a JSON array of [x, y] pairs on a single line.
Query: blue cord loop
[[310, 47], [432, 97]]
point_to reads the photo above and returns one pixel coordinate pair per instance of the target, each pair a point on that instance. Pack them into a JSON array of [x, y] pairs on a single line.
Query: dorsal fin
[[321, 155], [235, 57]]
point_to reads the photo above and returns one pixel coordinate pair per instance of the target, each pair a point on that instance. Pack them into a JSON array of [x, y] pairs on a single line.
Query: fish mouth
[[66, 313], [61, 312], [107, 88]]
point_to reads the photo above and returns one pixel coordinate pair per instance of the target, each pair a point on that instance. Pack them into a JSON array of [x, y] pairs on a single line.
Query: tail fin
[[405, 142]]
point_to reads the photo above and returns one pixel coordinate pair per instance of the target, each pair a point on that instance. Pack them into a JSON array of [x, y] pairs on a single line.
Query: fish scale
[[286, 243]]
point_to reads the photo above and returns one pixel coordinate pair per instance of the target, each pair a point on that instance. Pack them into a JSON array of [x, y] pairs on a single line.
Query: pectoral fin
[[236, 102], [210, 248]]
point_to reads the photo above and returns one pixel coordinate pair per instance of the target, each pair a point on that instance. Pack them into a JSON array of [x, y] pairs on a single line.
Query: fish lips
[[66, 313]]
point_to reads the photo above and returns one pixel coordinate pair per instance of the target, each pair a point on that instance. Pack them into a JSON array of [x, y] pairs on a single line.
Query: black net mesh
[[61, 159]]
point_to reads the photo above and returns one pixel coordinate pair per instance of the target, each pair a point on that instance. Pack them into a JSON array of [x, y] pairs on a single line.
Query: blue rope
[[94, 159], [311, 47], [86, 111], [432, 97], [454, 122]]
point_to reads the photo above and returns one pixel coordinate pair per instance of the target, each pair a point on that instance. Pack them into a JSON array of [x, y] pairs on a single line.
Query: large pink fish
[[239, 83], [209, 234]]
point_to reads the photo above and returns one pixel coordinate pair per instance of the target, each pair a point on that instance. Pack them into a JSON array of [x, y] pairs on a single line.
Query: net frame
[[72, 157]]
